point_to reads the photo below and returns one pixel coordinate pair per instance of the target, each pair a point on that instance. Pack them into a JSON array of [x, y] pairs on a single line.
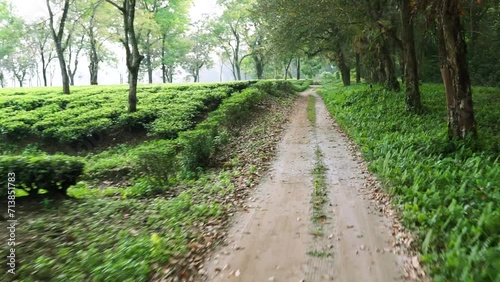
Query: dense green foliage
[[165, 110], [123, 234], [54, 174], [164, 159], [447, 192]]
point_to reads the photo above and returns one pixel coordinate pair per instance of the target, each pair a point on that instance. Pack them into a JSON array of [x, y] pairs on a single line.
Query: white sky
[[32, 9], [36, 9]]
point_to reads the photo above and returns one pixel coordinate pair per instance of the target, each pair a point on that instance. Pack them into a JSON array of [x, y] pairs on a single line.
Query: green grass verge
[[447, 192]]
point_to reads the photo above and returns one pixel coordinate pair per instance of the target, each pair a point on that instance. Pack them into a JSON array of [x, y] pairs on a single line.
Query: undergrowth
[[447, 192], [126, 234]]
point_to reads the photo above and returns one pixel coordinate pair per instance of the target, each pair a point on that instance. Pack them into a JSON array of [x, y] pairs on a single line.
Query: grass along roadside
[[446, 192], [122, 235]]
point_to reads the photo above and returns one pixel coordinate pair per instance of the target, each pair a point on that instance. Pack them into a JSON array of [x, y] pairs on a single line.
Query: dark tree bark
[[133, 56], [298, 68], [287, 67], [163, 58], [58, 37], [93, 54], [45, 60], [391, 81], [149, 67], [455, 73], [148, 60], [410, 69], [358, 68], [345, 70], [259, 66], [94, 62], [72, 71]]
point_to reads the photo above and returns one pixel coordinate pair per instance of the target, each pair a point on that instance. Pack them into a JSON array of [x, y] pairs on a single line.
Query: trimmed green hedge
[[194, 148], [32, 173]]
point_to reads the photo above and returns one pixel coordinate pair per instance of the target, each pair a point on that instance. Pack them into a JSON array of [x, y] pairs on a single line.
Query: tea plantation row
[[50, 116], [169, 114]]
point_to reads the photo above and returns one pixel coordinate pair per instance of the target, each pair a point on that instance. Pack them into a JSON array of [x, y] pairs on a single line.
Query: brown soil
[[274, 239]]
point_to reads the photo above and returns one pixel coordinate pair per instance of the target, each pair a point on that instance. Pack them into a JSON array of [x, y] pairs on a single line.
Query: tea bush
[[54, 174]]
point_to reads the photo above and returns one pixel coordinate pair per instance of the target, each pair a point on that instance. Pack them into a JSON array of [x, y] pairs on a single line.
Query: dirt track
[[274, 239]]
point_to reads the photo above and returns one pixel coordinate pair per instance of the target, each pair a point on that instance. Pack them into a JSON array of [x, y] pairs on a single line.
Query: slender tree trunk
[[94, 70], [94, 60], [358, 68], [287, 67], [163, 59], [392, 82], [44, 69], [170, 74], [413, 102], [149, 66], [57, 37], [64, 71], [455, 73]]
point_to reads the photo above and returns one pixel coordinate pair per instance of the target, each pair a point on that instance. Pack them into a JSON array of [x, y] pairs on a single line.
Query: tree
[[160, 23], [174, 50], [454, 71], [40, 39], [96, 19], [57, 37], [413, 102], [202, 43], [229, 29], [20, 62], [130, 43], [74, 48]]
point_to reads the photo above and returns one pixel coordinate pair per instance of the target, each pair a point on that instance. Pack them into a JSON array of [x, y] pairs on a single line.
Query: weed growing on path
[[447, 192]]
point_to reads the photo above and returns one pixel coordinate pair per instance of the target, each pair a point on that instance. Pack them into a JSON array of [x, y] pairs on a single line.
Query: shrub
[[301, 85], [32, 173]]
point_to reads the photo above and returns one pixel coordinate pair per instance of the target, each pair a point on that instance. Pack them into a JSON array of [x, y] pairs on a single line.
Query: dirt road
[[277, 240]]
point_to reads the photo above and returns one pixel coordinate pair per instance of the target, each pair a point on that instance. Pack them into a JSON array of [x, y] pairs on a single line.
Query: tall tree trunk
[[44, 69], [94, 70], [455, 73], [345, 71], [133, 77], [94, 59], [259, 67], [64, 71], [298, 68], [170, 74], [392, 82], [163, 58], [57, 37], [413, 102], [358, 68], [133, 56], [287, 67], [149, 66]]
